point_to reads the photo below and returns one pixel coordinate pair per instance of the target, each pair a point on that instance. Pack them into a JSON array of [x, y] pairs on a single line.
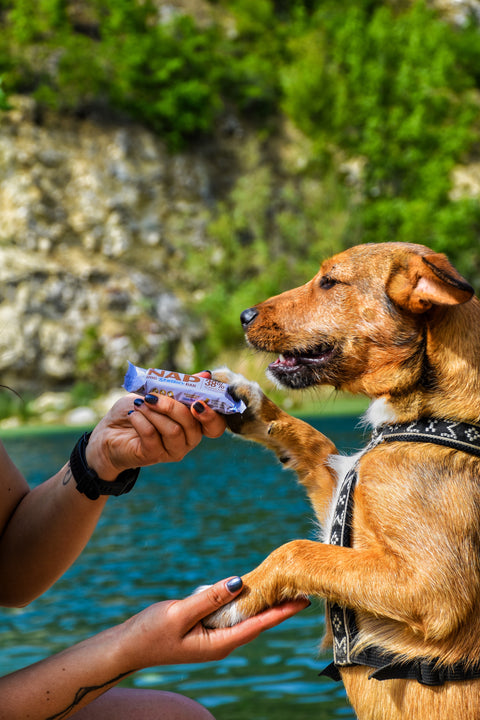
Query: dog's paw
[[240, 388], [226, 616], [296, 444], [245, 605], [250, 392]]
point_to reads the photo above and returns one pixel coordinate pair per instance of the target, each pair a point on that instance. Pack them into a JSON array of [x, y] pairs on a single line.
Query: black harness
[[456, 435]]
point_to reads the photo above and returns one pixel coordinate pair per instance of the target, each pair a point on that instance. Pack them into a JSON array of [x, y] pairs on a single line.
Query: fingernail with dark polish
[[130, 412], [199, 408], [234, 584], [138, 402], [151, 399]]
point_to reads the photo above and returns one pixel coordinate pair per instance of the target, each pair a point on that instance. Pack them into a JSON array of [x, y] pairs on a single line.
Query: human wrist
[[107, 655], [133, 638], [97, 459], [88, 479]]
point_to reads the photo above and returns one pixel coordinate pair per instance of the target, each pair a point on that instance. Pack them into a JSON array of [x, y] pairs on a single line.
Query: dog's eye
[[327, 282]]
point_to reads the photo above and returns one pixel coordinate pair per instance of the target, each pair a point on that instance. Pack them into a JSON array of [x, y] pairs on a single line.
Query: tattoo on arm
[[83, 692], [68, 476]]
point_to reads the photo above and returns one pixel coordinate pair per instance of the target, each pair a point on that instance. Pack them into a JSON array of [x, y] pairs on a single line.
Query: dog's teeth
[[281, 358]]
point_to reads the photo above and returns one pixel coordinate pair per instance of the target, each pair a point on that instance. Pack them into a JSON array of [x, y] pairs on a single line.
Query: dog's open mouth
[[302, 369]]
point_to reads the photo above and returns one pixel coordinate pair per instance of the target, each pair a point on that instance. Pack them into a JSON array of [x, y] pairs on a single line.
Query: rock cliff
[[96, 220]]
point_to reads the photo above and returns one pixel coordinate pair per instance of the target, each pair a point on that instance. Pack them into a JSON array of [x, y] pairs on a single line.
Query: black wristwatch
[[87, 479]]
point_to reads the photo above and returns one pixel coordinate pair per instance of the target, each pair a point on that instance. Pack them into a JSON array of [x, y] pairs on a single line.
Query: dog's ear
[[426, 280]]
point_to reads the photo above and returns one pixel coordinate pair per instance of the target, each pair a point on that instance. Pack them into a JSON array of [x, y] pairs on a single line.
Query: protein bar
[[187, 389]]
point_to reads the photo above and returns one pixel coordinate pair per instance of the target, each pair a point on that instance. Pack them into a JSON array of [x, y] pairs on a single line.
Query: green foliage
[[83, 393], [172, 76], [168, 78], [4, 104], [164, 75], [91, 363], [34, 21], [253, 55], [389, 84], [395, 89], [13, 405]]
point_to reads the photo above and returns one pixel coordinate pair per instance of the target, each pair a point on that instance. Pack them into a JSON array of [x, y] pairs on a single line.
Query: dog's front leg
[[296, 443], [365, 580]]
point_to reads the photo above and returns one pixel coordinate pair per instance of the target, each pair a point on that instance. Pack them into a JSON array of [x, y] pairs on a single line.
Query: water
[[216, 514]]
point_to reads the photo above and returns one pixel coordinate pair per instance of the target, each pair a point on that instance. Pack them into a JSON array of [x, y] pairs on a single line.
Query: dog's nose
[[248, 316]]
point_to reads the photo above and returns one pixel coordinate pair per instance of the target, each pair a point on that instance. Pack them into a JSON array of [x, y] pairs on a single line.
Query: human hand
[[171, 632], [156, 429]]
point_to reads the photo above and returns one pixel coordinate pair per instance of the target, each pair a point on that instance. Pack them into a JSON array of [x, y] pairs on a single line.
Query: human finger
[[149, 439], [204, 602], [270, 618], [213, 424], [218, 643], [224, 640], [179, 430]]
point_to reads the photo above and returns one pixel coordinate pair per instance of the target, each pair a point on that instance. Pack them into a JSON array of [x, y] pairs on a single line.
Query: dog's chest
[[378, 413]]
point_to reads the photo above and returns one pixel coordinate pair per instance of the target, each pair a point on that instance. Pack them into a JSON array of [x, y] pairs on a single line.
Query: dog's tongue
[[285, 361], [292, 362]]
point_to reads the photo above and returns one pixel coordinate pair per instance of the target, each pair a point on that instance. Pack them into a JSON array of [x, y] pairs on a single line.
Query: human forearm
[[55, 688], [46, 533]]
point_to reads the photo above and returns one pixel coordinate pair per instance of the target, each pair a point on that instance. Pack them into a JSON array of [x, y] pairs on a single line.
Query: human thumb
[[208, 598]]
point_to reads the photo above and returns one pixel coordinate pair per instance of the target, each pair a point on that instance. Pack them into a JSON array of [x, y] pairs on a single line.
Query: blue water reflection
[[218, 513]]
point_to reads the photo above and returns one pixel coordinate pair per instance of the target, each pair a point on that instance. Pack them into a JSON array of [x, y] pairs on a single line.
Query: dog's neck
[[451, 389], [380, 412]]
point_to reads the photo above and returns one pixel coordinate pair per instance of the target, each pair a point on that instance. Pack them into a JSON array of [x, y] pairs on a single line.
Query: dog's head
[[361, 323]]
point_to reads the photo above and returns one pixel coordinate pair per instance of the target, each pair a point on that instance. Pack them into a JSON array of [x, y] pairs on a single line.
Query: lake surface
[[216, 514]]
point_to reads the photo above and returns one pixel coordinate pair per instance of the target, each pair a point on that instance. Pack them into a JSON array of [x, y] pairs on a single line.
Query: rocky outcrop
[[96, 218], [67, 318]]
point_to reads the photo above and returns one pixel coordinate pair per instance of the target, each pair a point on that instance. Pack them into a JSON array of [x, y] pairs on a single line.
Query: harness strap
[[456, 435], [425, 672], [342, 619]]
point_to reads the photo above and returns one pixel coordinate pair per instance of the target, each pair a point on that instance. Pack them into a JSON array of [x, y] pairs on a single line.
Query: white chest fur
[[378, 413]]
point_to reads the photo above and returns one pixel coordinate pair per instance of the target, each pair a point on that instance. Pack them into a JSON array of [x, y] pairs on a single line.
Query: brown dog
[[397, 323]]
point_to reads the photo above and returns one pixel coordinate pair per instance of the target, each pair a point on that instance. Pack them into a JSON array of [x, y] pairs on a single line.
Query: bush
[[4, 104], [167, 76], [173, 77], [395, 88]]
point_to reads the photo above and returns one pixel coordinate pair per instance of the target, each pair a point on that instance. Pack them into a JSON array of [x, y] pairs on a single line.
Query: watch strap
[[89, 483]]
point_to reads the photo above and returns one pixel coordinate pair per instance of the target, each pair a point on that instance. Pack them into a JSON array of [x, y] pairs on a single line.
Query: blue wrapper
[[185, 388]]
